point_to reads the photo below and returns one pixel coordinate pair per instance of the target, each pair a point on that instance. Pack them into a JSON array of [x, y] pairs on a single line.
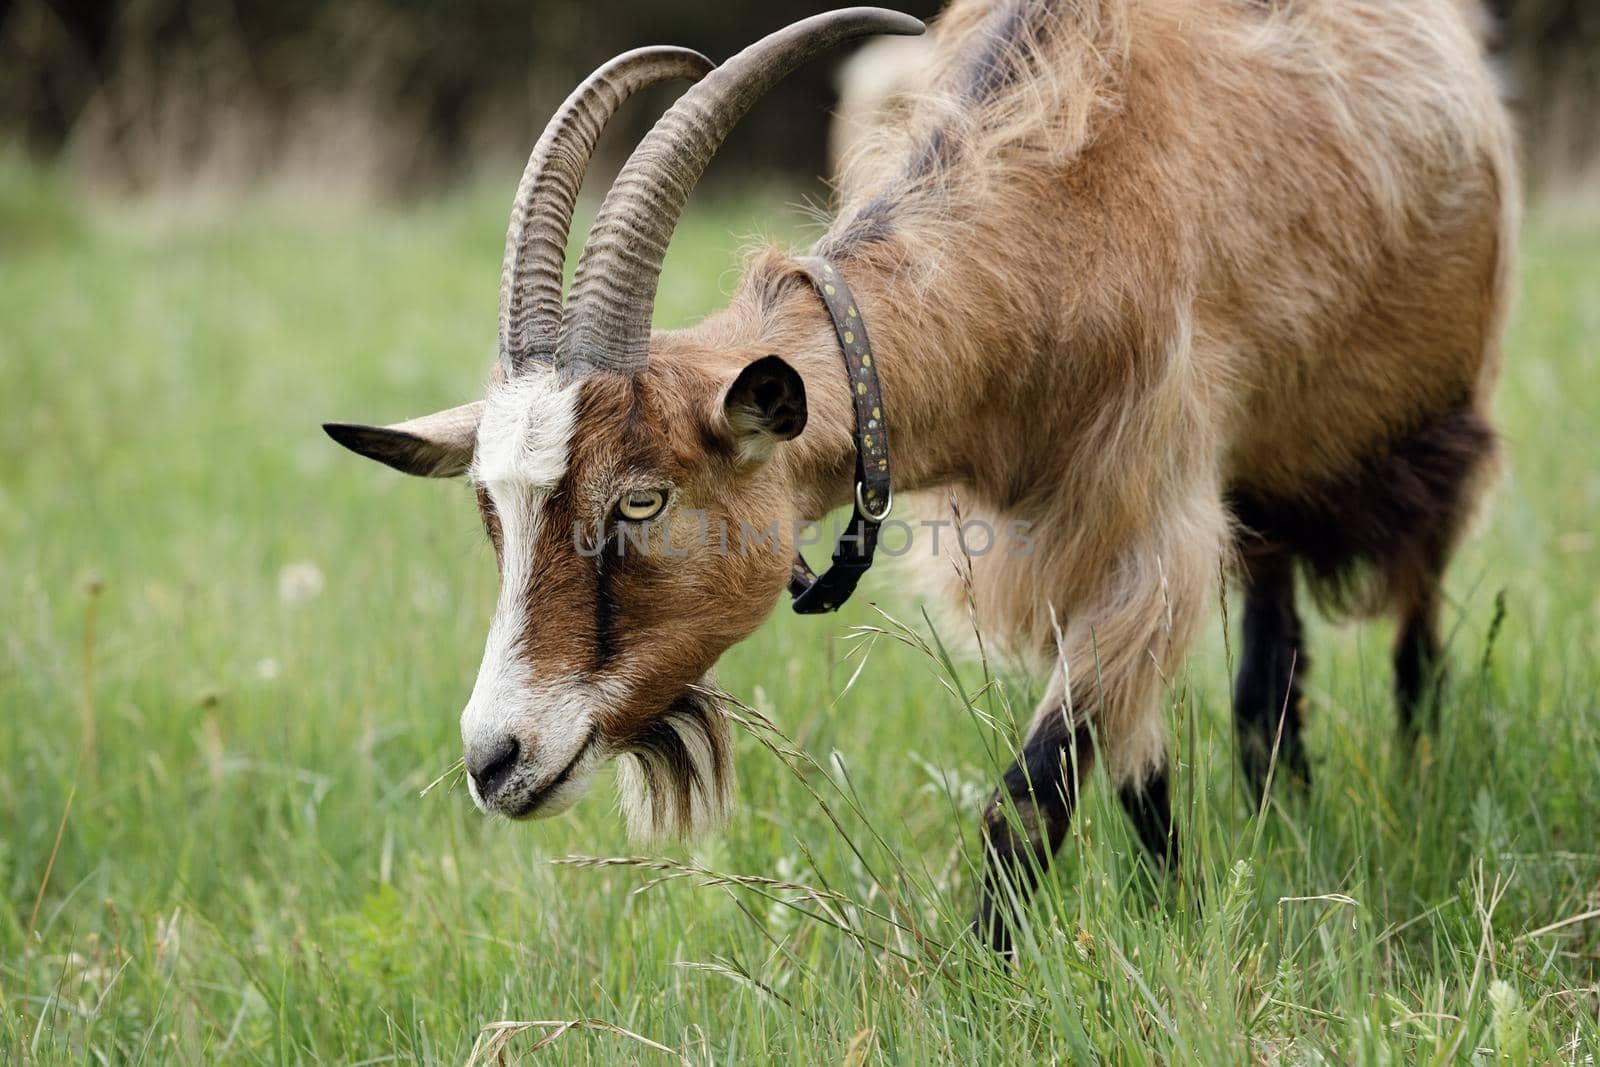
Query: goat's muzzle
[[519, 780]]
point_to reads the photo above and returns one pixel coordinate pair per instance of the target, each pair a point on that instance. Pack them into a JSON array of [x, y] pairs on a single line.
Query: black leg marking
[[1417, 671], [1267, 690], [1042, 786], [1150, 808], [1379, 534], [1385, 526]]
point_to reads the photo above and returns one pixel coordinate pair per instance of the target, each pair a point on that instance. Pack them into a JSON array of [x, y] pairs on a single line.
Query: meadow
[[232, 658]]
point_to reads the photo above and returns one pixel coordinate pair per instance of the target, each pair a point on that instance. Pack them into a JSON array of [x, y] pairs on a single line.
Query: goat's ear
[[434, 446], [765, 404]]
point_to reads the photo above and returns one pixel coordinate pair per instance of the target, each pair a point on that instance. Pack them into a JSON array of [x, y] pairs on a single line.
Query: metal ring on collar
[[888, 505]]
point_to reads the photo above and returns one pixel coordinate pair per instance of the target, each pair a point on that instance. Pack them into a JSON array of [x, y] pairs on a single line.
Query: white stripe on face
[[525, 433], [524, 440]]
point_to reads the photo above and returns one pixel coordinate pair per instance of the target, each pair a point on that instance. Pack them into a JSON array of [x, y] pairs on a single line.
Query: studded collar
[[852, 555]]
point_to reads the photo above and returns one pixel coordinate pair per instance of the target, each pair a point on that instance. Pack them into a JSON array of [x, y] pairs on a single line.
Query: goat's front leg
[[1150, 807], [1027, 818], [1122, 648]]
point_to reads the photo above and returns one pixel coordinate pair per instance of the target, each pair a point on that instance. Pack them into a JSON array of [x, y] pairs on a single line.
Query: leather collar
[[852, 554]]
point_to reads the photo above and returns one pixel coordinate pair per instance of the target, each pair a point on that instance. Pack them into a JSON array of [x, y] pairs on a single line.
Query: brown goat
[[1184, 285]]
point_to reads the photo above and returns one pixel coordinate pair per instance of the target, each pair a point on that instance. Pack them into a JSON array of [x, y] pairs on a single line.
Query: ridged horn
[[541, 215], [607, 326]]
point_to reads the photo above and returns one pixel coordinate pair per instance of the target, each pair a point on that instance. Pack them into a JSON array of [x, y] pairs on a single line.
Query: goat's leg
[[1418, 672], [1442, 471], [1418, 652], [1027, 818], [1150, 808], [1121, 640], [1267, 702]]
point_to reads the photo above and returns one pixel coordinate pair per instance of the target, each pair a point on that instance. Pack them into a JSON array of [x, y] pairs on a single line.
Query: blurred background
[[232, 656], [399, 96], [406, 96]]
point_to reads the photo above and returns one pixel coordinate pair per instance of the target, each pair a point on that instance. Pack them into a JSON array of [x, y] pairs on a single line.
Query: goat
[[1192, 287]]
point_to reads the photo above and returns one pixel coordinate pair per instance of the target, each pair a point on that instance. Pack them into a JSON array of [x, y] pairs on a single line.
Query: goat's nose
[[490, 764]]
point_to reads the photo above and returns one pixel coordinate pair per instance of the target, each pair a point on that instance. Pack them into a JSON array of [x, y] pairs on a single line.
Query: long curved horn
[[608, 322], [541, 215]]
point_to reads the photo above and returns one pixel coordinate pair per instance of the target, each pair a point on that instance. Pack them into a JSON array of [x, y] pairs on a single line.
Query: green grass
[[247, 872]]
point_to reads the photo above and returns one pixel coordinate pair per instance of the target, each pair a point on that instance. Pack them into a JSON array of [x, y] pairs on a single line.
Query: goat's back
[[1325, 190]]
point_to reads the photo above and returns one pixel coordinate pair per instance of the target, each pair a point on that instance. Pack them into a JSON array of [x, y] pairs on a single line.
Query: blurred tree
[[1551, 53], [410, 93]]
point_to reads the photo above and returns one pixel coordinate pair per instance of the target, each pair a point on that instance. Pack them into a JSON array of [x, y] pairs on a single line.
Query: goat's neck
[[926, 411]]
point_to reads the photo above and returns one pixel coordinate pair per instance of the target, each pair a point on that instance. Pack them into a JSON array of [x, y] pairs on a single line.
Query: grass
[[232, 658]]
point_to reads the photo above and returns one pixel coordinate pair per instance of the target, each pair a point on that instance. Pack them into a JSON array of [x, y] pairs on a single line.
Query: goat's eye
[[642, 505]]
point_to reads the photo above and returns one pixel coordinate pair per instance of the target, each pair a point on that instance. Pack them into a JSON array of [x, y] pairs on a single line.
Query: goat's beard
[[676, 780]]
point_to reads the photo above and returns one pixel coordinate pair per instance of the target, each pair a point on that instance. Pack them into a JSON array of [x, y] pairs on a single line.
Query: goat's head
[[639, 527]]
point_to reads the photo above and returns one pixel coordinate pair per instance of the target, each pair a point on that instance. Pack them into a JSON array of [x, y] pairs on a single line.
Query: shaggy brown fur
[[1154, 274]]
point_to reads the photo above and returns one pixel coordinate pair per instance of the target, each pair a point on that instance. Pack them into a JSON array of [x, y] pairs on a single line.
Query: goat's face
[[618, 488], [640, 530]]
